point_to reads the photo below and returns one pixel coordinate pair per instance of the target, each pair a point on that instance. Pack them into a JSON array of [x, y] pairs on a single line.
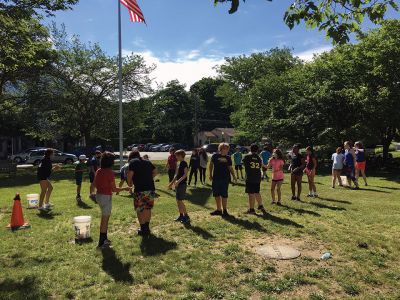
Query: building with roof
[[217, 135]]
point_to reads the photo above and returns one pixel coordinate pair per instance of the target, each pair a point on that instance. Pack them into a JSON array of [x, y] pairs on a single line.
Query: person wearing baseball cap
[[79, 169]]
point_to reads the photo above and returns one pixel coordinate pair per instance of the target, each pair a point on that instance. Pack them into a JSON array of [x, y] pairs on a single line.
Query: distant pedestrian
[[220, 171], [237, 159], [171, 164], [194, 165], [276, 163], [337, 166], [265, 156], [79, 170], [203, 165], [93, 164], [310, 170], [141, 175], [104, 182], [350, 162], [43, 174], [123, 173], [296, 168], [252, 165], [180, 183], [361, 161]]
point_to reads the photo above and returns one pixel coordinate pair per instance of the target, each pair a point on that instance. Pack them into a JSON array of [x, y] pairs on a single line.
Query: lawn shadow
[[48, 215], [171, 194], [279, 220], [200, 231], [301, 211], [246, 224], [199, 196], [373, 190], [386, 187], [83, 205], [320, 205], [335, 200], [153, 245], [20, 289], [113, 266]]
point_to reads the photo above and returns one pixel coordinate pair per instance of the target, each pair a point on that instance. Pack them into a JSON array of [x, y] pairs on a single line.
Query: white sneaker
[[48, 206], [42, 208]]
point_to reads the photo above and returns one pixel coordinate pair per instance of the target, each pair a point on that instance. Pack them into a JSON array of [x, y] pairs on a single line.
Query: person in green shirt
[[79, 169], [237, 158]]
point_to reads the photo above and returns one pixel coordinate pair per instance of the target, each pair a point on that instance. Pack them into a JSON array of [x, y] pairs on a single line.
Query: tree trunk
[[385, 153]]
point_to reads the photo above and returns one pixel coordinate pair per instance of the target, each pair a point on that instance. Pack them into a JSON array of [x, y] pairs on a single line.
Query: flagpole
[[121, 134]]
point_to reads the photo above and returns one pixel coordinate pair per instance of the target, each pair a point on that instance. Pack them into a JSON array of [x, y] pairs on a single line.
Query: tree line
[[53, 87]]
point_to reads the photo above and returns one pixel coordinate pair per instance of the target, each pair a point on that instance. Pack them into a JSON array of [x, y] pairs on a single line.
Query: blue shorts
[[91, 177], [78, 180], [220, 187]]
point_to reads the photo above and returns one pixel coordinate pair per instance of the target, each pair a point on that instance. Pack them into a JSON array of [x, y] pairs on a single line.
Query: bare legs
[[45, 193], [277, 185], [336, 175]]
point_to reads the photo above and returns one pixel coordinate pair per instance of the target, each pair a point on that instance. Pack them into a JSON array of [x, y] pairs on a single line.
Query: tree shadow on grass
[[287, 222], [386, 187], [153, 245], [320, 205], [48, 215], [301, 211], [200, 231], [335, 200], [199, 196], [83, 205], [26, 288], [113, 266], [246, 224], [171, 193], [373, 190]]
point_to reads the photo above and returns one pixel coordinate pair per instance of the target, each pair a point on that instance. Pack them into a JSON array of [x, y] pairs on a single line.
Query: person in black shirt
[[252, 165], [141, 175], [296, 169], [43, 174], [220, 170], [194, 165], [180, 186]]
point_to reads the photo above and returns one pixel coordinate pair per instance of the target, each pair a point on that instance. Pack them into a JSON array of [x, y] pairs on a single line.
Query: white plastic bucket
[[82, 227], [33, 200], [344, 180]]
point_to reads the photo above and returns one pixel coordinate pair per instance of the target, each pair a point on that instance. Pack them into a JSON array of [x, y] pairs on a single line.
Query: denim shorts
[[104, 201]]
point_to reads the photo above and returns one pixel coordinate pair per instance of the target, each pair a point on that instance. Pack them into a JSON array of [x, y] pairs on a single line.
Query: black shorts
[[181, 191], [91, 177], [220, 187], [253, 187], [238, 167]]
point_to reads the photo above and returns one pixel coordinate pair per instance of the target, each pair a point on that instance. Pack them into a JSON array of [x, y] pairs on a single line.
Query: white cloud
[[308, 55], [188, 67], [209, 41]]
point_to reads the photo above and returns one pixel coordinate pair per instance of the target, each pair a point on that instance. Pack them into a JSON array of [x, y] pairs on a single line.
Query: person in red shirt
[[104, 181], [171, 164]]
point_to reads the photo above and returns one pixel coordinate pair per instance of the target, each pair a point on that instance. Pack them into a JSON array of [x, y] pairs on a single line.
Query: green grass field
[[213, 258]]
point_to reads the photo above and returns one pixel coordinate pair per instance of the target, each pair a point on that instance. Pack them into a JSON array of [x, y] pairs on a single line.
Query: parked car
[[147, 146], [22, 156], [59, 157], [157, 148], [139, 147], [211, 148], [178, 146], [131, 147], [165, 148]]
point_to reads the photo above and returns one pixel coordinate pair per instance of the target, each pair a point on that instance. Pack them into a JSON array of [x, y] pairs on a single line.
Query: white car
[[22, 156], [59, 157]]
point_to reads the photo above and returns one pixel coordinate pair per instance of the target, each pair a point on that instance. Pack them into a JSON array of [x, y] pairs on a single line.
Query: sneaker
[[92, 197], [44, 209], [49, 204], [366, 184], [298, 199], [216, 213], [273, 202], [225, 213], [47, 207], [308, 196], [251, 211], [179, 219], [143, 232], [185, 220], [315, 195], [279, 203], [106, 244], [260, 207], [294, 198]]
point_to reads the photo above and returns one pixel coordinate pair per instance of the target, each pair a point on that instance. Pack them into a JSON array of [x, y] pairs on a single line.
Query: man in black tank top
[[297, 164]]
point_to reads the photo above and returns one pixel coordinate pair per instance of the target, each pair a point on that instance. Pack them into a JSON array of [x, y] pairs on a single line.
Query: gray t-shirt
[[337, 161]]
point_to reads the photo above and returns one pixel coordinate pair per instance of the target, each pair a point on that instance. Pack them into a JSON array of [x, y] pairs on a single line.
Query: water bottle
[[326, 256]]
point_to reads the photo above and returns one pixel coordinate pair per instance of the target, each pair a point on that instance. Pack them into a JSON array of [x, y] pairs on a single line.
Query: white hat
[[82, 157]]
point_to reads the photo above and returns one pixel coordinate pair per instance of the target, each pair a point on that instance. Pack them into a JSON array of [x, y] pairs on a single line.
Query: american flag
[[134, 10]]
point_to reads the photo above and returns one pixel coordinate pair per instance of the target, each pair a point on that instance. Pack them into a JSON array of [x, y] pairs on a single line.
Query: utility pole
[[196, 121]]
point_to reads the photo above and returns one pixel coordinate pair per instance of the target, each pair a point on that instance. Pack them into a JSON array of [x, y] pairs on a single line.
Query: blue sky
[[187, 38]]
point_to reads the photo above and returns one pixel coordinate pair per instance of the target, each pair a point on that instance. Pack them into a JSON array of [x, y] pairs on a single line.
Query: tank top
[[360, 155]]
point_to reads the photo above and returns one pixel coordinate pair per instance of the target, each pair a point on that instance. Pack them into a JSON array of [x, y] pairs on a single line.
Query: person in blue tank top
[[349, 161], [265, 156], [360, 161]]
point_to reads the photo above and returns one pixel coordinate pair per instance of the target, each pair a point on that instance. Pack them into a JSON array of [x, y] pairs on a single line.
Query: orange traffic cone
[[17, 217]]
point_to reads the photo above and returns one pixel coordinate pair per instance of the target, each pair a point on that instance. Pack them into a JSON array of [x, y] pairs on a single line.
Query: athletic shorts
[[238, 167], [91, 177], [252, 187], [104, 201], [143, 200], [277, 180], [78, 180], [181, 191], [349, 172], [122, 176], [360, 165], [220, 187]]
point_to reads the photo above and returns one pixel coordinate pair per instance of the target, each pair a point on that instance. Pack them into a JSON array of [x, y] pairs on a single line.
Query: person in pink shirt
[[276, 163]]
